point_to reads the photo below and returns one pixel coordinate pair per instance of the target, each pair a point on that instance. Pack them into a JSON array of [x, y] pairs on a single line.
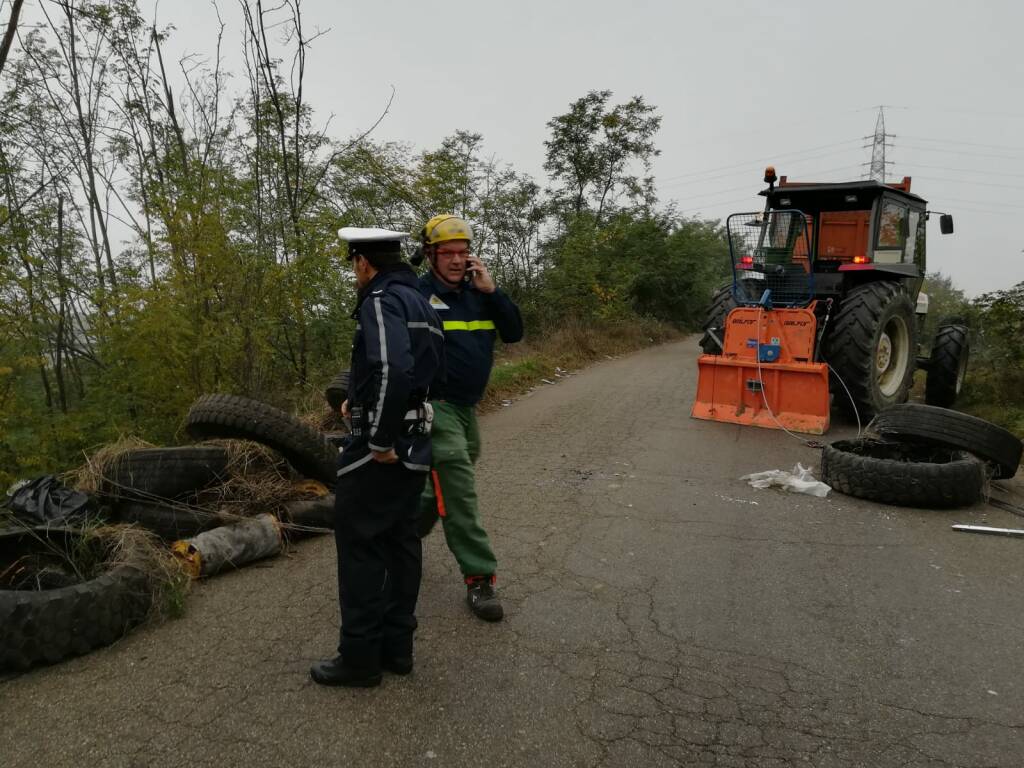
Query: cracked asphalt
[[660, 612]]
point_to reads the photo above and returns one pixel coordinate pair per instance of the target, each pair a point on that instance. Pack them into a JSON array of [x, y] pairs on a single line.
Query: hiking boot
[[482, 598], [336, 672]]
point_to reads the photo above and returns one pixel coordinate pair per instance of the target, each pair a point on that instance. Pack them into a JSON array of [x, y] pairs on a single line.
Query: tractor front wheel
[[722, 303], [871, 348]]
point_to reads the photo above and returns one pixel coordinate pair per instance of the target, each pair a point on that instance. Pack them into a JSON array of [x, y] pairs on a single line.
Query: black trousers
[[380, 561]]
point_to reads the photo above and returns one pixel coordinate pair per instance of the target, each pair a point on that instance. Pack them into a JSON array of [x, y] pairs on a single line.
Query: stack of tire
[[154, 487], [922, 456]]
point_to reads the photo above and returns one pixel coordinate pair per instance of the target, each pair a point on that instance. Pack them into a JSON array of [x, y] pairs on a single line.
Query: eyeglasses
[[450, 254]]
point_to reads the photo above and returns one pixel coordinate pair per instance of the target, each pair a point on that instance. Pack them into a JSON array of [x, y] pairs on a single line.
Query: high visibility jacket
[[397, 361], [471, 321]]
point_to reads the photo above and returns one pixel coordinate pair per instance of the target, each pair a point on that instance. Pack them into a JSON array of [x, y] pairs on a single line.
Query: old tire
[[166, 473], [304, 516], [903, 474], [337, 391], [722, 303], [169, 522], [48, 625], [940, 426], [947, 367], [234, 417], [872, 347]]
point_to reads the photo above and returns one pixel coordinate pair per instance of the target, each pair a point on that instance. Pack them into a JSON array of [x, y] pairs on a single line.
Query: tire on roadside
[[170, 522], [722, 303], [46, 626], [952, 429], [235, 417], [336, 391], [903, 474], [166, 473], [947, 366], [872, 347]]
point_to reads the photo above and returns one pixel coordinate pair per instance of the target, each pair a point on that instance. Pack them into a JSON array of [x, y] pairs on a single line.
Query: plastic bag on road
[[800, 480]]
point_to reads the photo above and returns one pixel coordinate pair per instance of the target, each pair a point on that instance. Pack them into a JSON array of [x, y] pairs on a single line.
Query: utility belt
[[418, 420]]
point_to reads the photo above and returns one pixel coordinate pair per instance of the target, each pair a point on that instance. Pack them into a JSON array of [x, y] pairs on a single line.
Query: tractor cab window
[[892, 233]]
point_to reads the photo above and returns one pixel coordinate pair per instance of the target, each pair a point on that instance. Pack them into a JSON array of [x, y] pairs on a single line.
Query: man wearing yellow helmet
[[473, 312]]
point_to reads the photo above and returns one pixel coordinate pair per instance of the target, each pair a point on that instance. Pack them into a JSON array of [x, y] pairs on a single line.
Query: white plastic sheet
[[800, 480]]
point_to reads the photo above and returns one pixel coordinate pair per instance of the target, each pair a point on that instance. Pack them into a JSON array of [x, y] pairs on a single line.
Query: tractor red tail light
[[746, 261]]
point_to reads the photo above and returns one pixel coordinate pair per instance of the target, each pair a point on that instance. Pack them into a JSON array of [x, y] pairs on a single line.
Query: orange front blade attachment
[[785, 390], [731, 391]]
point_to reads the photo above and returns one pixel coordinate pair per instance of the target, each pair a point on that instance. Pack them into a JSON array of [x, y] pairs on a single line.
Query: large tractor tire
[[947, 367], [961, 431], [233, 417], [872, 348], [722, 303], [903, 474]]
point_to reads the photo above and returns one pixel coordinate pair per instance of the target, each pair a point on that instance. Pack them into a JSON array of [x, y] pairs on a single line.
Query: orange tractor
[[825, 305]]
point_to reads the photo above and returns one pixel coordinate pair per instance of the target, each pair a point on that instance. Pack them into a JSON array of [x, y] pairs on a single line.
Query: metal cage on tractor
[[767, 375], [826, 280]]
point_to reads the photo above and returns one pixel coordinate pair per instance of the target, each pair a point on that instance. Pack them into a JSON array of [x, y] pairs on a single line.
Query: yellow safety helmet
[[445, 227]]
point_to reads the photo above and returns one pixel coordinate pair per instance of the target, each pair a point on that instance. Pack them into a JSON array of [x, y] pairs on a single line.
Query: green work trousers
[[455, 442]]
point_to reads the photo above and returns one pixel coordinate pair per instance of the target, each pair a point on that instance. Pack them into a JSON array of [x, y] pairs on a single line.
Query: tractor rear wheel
[[872, 347], [947, 367], [722, 303]]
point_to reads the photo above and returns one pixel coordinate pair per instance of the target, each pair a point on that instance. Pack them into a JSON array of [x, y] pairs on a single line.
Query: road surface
[[659, 612]]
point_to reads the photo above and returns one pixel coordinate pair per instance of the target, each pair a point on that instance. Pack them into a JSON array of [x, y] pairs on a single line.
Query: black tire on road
[[337, 391], [872, 347], [903, 474], [166, 473], [45, 626], [169, 522], [231, 416], [722, 303], [941, 426], [947, 367]]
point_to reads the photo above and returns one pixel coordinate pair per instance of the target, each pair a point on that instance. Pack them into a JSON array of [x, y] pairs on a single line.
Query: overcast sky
[[738, 84]]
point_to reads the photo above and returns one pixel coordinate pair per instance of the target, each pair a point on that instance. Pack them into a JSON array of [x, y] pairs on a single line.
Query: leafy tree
[[593, 151]]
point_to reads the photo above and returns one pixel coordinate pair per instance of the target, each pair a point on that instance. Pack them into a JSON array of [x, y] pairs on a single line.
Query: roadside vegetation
[[994, 389], [168, 229]]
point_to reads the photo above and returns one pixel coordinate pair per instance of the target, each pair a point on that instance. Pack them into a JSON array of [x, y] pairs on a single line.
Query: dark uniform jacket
[[397, 358], [471, 321]]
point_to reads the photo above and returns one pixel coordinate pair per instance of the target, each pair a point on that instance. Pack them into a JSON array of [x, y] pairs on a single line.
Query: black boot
[[336, 672], [482, 598], [397, 665]]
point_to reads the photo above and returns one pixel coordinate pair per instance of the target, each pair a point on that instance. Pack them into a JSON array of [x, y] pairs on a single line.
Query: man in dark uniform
[[474, 311], [397, 356]]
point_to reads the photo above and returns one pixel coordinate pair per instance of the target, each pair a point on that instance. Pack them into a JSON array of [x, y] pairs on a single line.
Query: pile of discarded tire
[[922, 456]]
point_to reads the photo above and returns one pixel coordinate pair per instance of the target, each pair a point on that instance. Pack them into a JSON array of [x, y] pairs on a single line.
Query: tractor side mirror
[[946, 224]]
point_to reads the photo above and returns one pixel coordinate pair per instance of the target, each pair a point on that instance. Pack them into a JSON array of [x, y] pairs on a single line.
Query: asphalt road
[[659, 612]]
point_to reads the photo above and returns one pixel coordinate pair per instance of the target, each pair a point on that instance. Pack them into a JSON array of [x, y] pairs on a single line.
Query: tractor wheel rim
[[893, 356]]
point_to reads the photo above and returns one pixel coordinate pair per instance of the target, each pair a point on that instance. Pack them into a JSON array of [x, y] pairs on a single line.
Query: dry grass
[[90, 476]]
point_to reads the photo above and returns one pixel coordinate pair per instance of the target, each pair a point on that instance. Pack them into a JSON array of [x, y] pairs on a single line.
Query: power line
[[964, 143], [973, 183], [749, 168], [962, 170], [960, 152], [757, 161]]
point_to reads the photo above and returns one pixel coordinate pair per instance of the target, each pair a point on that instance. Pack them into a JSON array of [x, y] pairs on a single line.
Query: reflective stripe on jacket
[[471, 321], [397, 362]]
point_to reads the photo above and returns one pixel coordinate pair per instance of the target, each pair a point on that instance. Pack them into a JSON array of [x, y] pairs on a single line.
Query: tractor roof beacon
[[862, 251]]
